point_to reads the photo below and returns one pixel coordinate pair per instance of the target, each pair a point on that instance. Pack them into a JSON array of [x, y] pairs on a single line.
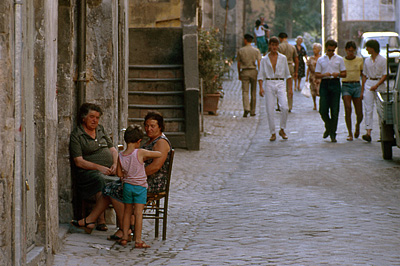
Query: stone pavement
[[243, 200]]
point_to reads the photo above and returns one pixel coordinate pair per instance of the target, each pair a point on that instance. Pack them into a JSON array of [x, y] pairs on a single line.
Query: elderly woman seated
[[156, 171], [94, 157]]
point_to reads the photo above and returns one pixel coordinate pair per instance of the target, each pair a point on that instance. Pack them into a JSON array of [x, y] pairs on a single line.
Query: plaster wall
[[215, 15], [101, 61], [106, 67], [155, 13]]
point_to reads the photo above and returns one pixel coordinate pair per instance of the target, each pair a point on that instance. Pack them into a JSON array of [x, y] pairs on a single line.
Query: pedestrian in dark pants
[[330, 68], [246, 63]]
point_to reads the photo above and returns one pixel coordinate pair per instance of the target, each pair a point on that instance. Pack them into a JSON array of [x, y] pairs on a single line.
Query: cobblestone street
[[243, 200]]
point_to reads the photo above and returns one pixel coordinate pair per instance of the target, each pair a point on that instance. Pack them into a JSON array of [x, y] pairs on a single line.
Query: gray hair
[[318, 45]]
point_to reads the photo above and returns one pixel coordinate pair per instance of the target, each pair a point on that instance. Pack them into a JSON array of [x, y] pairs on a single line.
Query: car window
[[393, 41]]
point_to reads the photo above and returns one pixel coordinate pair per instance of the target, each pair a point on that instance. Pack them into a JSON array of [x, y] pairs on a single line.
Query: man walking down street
[[246, 63], [374, 76], [330, 68], [290, 52], [274, 70]]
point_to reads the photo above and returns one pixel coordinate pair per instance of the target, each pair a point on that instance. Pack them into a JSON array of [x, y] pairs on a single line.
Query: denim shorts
[[351, 89], [134, 194]]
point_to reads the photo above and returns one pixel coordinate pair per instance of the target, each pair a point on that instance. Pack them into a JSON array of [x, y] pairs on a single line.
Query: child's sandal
[[141, 245]]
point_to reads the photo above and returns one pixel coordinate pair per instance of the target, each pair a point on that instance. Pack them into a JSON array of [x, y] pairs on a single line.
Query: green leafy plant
[[212, 65]]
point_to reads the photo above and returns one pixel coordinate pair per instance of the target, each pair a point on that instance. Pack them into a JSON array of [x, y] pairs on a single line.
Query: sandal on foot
[[101, 227], [366, 137], [349, 138], [123, 242], [141, 245], [85, 227], [113, 237]]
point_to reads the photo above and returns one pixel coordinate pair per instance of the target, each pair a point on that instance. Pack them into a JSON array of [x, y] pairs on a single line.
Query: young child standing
[[133, 175]]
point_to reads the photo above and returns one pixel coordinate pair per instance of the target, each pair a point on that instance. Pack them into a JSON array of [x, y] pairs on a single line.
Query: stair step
[[155, 79], [155, 92], [174, 133], [155, 66], [172, 119], [156, 106]]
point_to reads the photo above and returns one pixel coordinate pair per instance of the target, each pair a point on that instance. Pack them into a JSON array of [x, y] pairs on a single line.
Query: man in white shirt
[[330, 68], [374, 75], [274, 70]]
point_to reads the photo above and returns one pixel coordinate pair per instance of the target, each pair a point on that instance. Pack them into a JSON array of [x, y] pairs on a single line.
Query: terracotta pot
[[210, 102]]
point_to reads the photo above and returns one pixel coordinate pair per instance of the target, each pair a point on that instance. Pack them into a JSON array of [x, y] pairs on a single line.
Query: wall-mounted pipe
[[81, 52], [18, 46]]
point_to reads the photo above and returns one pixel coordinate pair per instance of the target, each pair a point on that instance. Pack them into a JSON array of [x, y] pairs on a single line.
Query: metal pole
[[387, 71], [225, 25], [81, 52], [201, 105]]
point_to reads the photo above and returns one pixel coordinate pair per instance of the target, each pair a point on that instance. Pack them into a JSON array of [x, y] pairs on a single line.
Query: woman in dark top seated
[[93, 154], [156, 170]]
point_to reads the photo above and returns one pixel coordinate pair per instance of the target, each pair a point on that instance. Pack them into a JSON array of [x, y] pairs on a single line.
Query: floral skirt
[[114, 190]]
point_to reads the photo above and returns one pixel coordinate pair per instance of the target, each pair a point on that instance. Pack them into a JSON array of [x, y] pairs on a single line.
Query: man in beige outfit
[[291, 54], [247, 57]]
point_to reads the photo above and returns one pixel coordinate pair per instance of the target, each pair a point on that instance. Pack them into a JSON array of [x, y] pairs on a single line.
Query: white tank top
[[260, 32]]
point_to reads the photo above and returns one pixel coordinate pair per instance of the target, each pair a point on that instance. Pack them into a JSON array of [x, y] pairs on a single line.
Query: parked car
[[388, 108], [384, 38]]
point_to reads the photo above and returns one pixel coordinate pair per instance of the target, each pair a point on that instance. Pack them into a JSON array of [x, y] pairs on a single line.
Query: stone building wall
[[42, 197]]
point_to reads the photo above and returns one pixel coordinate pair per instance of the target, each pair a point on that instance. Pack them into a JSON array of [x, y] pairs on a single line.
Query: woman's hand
[[105, 170], [113, 169]]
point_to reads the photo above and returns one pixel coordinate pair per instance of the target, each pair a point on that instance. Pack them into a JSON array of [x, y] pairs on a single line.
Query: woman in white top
[[259, 32]]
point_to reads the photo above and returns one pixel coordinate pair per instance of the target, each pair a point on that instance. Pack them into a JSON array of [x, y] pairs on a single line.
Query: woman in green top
[[93, 154]]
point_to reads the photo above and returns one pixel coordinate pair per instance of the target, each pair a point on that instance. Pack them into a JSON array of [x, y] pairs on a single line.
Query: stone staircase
[[158, 88]]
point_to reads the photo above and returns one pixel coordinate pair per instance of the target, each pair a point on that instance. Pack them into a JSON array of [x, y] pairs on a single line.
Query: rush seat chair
[[157, 204]]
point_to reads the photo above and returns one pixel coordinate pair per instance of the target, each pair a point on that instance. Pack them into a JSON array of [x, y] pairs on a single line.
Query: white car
[[384, 38]]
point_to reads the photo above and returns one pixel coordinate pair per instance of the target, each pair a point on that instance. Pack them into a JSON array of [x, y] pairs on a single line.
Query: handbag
[[306, 90]]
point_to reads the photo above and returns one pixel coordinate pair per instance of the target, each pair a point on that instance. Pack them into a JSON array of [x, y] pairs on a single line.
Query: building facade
[[345, 20], [56, 55]]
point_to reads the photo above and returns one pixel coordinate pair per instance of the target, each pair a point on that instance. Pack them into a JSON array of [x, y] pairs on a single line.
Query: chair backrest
[[171, 160]]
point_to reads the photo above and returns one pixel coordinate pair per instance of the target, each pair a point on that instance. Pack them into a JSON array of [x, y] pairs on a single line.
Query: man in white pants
[[374, 75], [274, 70]]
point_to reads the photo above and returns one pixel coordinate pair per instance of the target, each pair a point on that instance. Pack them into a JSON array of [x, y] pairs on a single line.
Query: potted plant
[[212, 67]]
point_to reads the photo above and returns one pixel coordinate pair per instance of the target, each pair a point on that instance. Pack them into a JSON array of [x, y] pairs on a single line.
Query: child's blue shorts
[[134, 194]]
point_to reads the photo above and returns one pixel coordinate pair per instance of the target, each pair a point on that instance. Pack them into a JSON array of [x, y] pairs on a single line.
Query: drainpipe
[[17, 229], [81, 52]]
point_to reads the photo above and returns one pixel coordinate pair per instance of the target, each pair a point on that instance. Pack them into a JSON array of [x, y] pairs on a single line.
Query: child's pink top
[[133, 170]]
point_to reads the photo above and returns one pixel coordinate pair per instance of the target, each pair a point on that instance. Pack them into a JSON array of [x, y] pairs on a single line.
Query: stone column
[[46, 118], [7, 130], [191, 70], [330, 20], [67, 107]]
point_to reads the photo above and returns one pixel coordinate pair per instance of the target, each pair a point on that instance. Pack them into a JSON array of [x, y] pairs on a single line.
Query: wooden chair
[[157, 209]]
